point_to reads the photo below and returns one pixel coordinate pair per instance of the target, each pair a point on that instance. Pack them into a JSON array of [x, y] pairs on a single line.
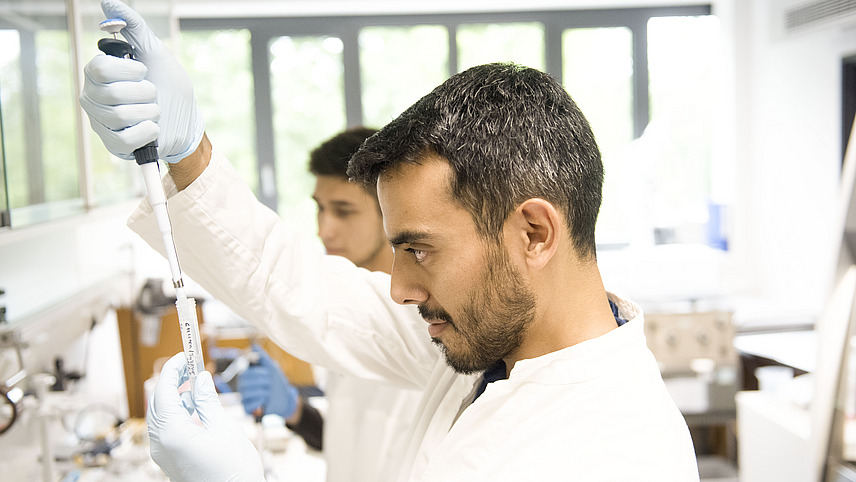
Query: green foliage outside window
[[57, 110], [482, 43], [12, 111], [598, 74], [307, 84], [218, 62], [398, 65]]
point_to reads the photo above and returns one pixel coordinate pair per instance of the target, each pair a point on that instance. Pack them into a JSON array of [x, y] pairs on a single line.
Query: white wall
[[58, 276], [787, 128]]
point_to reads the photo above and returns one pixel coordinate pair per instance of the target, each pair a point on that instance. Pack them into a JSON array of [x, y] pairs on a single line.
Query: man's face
[[349, 223], [477, 304]]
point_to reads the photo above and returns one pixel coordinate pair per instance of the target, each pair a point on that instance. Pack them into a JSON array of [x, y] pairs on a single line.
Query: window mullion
[[265, 147], [453, 48], [641, 101], [352, 77], [553, 50]]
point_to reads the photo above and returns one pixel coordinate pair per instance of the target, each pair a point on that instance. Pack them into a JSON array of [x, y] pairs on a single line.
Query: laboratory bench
[[774, 418], [713, 397], [710, 371], [284, 454]]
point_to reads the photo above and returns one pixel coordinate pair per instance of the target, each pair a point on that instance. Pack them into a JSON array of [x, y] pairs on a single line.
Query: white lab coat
[[365, 424], [595, 411]]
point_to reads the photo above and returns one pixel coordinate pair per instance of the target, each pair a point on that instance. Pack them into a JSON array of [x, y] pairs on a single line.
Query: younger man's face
[[349, 222]]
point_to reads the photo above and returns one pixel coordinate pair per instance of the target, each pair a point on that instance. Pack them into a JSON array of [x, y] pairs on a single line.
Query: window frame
[[347, 28], [38, 208], [67, 17]]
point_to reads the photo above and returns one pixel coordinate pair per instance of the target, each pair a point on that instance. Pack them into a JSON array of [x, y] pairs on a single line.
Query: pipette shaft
[[186, 307], [157, 199]]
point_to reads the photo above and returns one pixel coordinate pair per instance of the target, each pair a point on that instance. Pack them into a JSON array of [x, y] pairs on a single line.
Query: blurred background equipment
[[696, 355]]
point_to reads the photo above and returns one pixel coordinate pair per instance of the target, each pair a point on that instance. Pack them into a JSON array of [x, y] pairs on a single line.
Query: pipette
[[147, 158]]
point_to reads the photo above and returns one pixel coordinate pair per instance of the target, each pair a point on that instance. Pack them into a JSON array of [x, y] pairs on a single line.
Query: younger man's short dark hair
[[332, 156]]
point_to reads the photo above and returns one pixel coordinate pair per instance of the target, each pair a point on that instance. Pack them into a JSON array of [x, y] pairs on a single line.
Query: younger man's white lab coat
[[365, 424], [595, 411]]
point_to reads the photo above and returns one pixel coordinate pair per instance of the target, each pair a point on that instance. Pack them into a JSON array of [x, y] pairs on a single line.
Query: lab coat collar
[[585, 360]]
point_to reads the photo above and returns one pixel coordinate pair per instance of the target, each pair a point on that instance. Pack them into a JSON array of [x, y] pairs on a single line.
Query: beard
[[492, 323]]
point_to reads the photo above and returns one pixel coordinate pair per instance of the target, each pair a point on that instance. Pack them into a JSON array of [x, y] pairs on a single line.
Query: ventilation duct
[[820, 14]]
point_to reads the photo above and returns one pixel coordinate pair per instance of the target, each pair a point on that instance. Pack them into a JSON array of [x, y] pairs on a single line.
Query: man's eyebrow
[[335, 202], [407, 237]]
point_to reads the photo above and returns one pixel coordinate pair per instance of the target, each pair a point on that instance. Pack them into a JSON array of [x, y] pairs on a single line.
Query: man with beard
[[490, 187]]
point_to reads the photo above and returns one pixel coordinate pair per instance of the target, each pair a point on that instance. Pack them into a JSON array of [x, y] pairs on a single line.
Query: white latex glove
[[217, 451], [133, 102]]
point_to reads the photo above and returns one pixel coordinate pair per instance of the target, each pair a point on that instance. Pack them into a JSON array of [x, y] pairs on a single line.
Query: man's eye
[[418, 254], [344, 213]]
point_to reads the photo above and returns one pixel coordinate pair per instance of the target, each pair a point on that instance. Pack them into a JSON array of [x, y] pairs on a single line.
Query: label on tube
[[190, 336]]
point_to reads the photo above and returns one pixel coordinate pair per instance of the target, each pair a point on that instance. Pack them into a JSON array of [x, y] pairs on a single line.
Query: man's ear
[[539, 224]]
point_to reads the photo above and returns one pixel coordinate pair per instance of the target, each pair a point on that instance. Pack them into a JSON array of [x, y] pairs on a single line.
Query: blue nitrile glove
[[263, 385], [131, 103], [217, 450]]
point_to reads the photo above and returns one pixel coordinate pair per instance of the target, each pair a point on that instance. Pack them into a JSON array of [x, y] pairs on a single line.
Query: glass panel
[[598, 73], [398, 66], [307, 84], [683, 75], [218, 62], [521, 43], [40, 113], [11, 115], [4, 199], [39, 116], [57, 109]]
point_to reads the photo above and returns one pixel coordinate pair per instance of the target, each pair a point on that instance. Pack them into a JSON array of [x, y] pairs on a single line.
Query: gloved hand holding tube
[[265, 389], [218, 450], [133, 102]]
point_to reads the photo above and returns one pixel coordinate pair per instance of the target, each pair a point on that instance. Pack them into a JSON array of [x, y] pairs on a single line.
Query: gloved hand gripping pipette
[[147, 157]]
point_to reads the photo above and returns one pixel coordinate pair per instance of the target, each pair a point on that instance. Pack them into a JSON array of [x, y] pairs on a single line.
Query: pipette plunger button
[[112, 25]]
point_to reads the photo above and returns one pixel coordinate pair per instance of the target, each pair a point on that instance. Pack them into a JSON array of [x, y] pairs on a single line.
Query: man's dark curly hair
[[510, 133]]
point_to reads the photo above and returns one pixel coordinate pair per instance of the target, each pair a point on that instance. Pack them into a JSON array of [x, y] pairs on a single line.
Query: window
[[39, 139], [4, 198], [398, 66], [482, 43], [309, 107], [218, 62], [56, 114], [626, 68], [598, 74], [12, 115], [324, 73], [54, 165], [683, 90]]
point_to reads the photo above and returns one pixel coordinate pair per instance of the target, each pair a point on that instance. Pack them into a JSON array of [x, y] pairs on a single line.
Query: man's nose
[[326, 227], [405, 286]]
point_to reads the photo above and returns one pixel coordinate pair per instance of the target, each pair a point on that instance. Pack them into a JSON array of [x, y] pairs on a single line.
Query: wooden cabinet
[[148, 341]]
